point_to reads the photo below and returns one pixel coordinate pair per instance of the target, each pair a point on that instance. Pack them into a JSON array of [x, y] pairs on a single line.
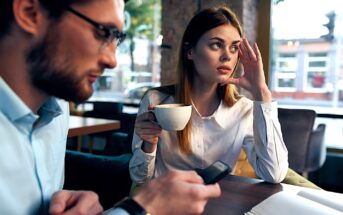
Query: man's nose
[[108, 56]]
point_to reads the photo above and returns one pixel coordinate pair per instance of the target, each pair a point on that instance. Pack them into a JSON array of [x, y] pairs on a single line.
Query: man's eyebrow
[[109, 25]]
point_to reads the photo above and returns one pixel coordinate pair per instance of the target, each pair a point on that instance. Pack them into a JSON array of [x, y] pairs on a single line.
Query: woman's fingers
[[247, 53], [258, 53], [146, 127]]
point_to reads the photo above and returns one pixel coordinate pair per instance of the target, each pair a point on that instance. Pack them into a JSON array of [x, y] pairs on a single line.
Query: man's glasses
[[109, 34]]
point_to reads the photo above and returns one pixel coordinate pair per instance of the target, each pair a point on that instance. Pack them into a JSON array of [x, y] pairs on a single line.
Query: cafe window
[[307, 59], [138, 56], [285, 71], [317, 73]]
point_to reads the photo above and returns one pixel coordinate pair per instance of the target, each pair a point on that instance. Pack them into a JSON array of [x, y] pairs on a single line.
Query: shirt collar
[[223, 110], [220, 113], [217, 116], [14, 108]]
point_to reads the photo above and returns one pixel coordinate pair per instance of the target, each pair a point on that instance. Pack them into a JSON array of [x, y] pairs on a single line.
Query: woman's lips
[[224, 69]]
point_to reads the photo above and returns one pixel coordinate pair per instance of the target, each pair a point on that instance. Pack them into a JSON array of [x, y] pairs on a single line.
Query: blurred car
[[137, 91]]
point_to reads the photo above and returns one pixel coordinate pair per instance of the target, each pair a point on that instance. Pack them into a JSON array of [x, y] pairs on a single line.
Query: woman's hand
[[253, 78], [148, 130]]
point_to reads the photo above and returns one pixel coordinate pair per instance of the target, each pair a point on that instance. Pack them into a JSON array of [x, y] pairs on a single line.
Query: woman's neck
[[205, 99]]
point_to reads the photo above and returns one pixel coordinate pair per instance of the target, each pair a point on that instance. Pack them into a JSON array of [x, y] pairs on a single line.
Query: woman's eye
[[233, 49], [216, 45]]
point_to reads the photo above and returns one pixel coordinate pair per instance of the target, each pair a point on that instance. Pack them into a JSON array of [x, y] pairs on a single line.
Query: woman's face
[[216, 54]]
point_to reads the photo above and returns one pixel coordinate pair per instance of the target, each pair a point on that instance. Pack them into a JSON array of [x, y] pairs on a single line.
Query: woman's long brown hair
[[199, 25]]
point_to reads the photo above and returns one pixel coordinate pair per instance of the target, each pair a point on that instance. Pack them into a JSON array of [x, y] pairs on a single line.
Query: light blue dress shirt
[[32, 153]]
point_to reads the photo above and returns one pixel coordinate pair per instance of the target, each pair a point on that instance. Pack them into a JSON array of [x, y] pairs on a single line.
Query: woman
[[222, 122]]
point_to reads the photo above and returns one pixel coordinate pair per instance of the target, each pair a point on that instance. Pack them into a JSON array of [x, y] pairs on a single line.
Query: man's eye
[[100, 35]]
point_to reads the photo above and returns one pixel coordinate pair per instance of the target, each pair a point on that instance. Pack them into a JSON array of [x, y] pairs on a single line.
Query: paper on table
[[323, 199], [285, 203]]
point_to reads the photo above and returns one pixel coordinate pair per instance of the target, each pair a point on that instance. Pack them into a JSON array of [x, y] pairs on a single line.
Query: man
[[58, 48]]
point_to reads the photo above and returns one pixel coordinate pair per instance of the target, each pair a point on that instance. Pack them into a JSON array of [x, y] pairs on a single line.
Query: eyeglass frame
[[110, 34]]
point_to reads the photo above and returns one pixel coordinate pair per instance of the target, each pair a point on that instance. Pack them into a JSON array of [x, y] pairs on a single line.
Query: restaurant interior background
[[300, 40]]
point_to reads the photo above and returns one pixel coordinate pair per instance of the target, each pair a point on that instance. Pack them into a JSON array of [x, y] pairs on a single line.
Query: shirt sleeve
[[265, 147], [142, 165]]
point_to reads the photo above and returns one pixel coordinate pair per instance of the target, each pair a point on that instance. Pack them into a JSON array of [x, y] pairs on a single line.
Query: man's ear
[[29, 15]]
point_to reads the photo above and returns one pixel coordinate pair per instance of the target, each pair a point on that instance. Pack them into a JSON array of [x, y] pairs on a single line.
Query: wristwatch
[[131, 206]]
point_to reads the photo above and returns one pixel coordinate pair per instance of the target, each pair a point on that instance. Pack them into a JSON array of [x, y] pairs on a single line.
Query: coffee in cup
[[172, 117]]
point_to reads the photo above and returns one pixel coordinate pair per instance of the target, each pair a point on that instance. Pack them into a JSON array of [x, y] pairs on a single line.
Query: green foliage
[[142, 18]]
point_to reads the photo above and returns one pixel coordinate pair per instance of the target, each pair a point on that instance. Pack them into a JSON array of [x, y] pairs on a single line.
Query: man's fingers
[[85, 203], [213, 190], [59, 202], [186, 176]]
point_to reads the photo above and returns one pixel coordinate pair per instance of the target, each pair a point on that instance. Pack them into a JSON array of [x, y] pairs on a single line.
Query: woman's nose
[[225, 56]]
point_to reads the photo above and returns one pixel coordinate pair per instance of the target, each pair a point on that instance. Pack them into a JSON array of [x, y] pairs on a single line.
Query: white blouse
[[251, 125]]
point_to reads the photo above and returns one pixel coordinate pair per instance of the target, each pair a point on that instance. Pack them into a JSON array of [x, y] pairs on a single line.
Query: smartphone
[[214, 172]]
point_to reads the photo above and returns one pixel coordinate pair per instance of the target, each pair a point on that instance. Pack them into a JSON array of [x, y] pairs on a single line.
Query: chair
[[117, 142], [306, 149], [104, 110], [244, 168], [108, 176]]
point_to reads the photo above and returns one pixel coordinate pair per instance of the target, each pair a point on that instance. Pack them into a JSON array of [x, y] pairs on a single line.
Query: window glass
[[307, 61], [138, 56]]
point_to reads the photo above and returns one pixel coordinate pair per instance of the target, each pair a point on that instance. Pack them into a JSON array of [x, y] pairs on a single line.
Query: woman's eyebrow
[[217, 38], [236, 41], [223, 41]]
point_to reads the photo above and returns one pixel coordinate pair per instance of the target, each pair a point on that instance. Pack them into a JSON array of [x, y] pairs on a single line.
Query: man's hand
[[68, 202], [178, 192]]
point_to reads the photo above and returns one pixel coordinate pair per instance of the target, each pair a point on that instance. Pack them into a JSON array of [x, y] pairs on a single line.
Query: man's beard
[[55, 79]]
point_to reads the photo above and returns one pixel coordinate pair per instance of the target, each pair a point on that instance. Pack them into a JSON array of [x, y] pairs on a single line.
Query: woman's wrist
[[148, 147], [263, 95]]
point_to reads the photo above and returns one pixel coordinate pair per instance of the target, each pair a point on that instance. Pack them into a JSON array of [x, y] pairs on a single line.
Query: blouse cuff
[[145, 156]]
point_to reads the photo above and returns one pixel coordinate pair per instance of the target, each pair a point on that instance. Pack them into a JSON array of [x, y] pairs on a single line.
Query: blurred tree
[[142, 22]]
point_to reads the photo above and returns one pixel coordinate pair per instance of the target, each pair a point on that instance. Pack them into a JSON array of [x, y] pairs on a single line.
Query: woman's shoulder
[[167, 89], [159, 95], [245, 101]]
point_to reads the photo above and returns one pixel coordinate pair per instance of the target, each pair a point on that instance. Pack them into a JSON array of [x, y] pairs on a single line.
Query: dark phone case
[[214, 172]]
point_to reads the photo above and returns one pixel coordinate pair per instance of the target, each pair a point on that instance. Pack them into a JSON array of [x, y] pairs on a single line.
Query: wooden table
[[239, 195], [79, 126]]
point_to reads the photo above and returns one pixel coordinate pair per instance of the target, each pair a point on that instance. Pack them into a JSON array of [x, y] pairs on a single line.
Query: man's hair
[[54, 9]]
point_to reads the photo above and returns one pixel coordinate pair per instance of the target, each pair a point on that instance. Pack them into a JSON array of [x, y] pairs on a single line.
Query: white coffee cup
[[172, 117]]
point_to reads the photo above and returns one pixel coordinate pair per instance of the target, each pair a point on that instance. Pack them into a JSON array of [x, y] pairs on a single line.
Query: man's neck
[[15, 73]]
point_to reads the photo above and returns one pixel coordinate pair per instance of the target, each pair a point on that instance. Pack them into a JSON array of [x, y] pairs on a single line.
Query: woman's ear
[[188, 50], [190, 54], [28, 15]]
